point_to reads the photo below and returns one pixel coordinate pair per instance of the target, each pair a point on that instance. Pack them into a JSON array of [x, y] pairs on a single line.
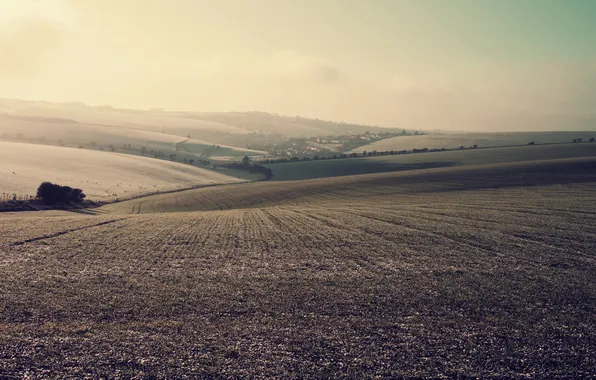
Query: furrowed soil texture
[[484, 282]]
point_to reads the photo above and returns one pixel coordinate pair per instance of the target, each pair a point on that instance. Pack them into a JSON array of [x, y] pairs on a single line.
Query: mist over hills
[[185, 123]]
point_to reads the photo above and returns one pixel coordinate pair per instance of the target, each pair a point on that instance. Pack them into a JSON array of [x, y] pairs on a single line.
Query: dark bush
[[52, 194]]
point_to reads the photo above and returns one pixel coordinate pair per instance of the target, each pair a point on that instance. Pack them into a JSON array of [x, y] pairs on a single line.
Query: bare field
[[481, 283], [434, 273], [369, 186], [101, 175]]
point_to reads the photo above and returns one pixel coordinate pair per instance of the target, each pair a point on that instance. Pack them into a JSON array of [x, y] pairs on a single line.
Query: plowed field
[[350, 279]]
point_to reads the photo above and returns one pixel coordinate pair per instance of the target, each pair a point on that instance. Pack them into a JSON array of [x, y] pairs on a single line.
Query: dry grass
[[482, 282], [100, 174]]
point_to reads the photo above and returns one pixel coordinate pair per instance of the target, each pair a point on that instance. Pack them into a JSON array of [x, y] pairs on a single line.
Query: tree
[[245, 161], [143, 149], [52, 194], [76, 195], [591, 139]]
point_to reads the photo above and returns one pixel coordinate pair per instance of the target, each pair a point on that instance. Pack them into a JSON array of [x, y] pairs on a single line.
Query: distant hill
[[286, 125], [483, 140], [292, 171], [216, 127]]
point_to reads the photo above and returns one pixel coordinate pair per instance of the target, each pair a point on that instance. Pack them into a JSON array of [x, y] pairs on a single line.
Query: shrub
[[52, 194]]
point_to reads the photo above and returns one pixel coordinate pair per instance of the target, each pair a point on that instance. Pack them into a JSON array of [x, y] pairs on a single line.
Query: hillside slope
[[351, 188], [496, 283], [290, 171], [455, 140], [101, 175]]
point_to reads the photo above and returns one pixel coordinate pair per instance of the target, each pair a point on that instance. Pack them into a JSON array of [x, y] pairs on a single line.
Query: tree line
[[255, 168]]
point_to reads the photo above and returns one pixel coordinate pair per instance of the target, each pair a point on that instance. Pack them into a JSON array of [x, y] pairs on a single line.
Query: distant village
[[298, 147]]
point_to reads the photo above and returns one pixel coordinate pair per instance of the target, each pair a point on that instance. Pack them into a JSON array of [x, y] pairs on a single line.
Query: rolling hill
[[101, 175], [470, 271], [483, 140], [478, 263], [368, 186], [200, 125], [290, 171], [150, 120], [286, 125], [51, 131]]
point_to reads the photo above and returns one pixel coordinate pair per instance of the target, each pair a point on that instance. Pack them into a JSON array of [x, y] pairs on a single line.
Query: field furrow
[[478, 283]]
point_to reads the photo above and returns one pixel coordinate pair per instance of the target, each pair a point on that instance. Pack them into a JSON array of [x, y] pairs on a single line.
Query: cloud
[[290, 64], [24, 44]]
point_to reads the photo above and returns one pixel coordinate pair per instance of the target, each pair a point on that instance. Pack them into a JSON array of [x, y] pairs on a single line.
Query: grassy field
[[455, 140], [74, 134], [101, 175], [340, 167], [473, 271], [207, 149], [53, 131]]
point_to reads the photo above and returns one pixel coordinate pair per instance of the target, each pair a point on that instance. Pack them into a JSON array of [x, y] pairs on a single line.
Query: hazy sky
[[457, 64]]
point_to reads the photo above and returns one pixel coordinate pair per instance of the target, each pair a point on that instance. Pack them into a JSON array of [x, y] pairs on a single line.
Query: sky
[[477, 65]]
